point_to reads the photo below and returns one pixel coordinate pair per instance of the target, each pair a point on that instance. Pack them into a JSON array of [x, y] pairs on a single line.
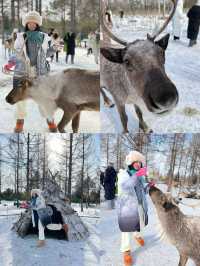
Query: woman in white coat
[[132, 205], [177, 20], [37, 203], [31, 49]]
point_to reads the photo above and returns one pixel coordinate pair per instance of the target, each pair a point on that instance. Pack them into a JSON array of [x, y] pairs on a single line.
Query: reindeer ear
[[114, 55], [168, 206], [163, 43]]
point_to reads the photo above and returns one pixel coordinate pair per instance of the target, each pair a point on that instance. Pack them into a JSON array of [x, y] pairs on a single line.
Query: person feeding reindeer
[[132, 204]]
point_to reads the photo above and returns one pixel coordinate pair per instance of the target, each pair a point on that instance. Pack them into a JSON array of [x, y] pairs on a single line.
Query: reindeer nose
[[168, 96], [163, 97], [9, 99]]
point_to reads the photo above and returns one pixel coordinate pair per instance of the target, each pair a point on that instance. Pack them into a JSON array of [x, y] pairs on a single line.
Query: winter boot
[[176, 38], [128, 260], [140, 241], [19, 126], [52, 126], [192, 43], [41, 243], [66, 229]]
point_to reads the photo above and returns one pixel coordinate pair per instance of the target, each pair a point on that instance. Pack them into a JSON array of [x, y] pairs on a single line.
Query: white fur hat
[[134, 156], [32, 16], [37, 191]]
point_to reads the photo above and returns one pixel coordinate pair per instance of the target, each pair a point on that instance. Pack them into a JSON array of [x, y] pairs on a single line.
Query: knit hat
[[135, 156], [32, 16]]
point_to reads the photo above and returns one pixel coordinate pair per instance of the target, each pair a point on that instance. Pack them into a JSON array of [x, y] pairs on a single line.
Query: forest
[[27, 161]]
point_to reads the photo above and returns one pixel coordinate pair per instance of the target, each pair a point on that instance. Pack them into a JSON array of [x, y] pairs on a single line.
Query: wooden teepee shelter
[[54, 196]]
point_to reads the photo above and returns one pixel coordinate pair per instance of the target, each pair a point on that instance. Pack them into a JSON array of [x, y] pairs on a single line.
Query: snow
[[156, 252], [182, 66], [16, 251], [89, 122]]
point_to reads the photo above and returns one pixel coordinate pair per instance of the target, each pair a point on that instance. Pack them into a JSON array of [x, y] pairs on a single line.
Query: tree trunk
[[69, 194], [40, 7], [82, 171], [2, 22], [54, 196], [13, 13], [44, 163], [27, 165], [0, 168], [73, 15]]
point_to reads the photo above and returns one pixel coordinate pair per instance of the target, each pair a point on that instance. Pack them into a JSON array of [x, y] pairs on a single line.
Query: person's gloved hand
[[152, 184], [142, 172]]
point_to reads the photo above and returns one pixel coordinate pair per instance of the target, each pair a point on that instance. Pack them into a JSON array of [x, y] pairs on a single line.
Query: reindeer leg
[[123, 116], [183, 260], [67, 116], [142, 123], [106, 99], [75, 122]]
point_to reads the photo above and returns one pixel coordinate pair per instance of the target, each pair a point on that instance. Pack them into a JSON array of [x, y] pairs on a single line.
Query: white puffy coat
[[177, 19]]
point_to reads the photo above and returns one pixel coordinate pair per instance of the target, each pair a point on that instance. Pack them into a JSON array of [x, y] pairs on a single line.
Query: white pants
[[21, 112], [41, 230], [126, 239]]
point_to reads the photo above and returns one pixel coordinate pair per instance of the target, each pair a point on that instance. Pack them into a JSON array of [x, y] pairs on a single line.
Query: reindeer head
[[19, 93], [162, 202], [144, 64]]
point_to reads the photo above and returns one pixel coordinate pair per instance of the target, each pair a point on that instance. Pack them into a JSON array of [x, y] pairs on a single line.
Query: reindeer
[[137, 70], [181, 230], [9, 44], [72, 90]]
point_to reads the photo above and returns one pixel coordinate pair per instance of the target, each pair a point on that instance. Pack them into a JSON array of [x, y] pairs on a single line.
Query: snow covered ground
[[183, 68], [89, 122], [15, 251], [154, 253]]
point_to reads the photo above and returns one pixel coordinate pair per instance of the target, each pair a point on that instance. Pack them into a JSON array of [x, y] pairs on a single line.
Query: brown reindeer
[[9, 44], [72, 90], [181, 230], [137, 70]]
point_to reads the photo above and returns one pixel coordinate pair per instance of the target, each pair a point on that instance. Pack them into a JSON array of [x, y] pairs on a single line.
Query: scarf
[[35, 37]]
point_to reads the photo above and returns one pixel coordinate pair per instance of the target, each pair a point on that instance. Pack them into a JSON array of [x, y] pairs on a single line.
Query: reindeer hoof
[[61, 130]]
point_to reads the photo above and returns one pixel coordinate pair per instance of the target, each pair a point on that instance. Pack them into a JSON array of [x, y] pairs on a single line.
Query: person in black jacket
[[109, 185], [194, 23], [69, 40]]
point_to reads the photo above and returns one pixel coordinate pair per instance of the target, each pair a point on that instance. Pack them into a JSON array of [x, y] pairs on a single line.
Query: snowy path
[[89, 122], [183, 68], [15, 251], [154, 253]]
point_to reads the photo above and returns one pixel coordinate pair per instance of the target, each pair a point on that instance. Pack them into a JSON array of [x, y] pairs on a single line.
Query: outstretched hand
[[152, 183], [142, 172]]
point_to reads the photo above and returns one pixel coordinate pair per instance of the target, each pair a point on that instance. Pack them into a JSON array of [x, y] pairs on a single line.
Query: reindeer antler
[[123, 42], [105, 27], [152, 38]]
